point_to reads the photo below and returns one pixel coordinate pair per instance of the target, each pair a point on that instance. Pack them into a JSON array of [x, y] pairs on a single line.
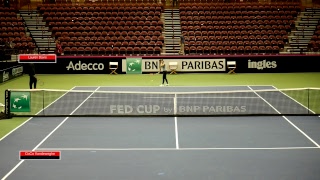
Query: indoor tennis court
[[169, 135]]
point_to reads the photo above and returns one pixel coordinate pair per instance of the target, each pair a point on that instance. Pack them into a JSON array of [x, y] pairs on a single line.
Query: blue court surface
[[171, 148]]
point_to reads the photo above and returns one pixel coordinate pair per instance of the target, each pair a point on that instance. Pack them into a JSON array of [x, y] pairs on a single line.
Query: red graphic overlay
[[40, 155], [37, 58]]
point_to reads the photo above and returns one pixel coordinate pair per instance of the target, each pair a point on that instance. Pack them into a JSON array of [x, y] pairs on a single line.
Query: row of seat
[[237, 5], [279, 43], [240, 9], [110, 50], [12, 29], [231, 50], [314, 44], [315, 38], [116, 24], [100, 9], [12, 34], [274, 27], [217, 32], [129, 34], [8, 14], [21, 38], [122, 1], [233, 34], [237, 38], [110, 38], [239, 23], [11, 24], [112, 44], [99, 20], [7, 9], [224, 22], [95, 29], [92, 4], [253, 23], [237, 13], [101, 14], [20, 47]]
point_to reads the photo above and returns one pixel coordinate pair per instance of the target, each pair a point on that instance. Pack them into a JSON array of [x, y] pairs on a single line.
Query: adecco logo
[[5, 76], [17, 71], [260, 65], [85, 66]]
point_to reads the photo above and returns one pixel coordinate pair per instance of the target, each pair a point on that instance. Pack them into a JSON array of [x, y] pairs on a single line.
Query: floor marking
[[176, 132], [43, 140], [36, 114], [314, 142], [171, 149]]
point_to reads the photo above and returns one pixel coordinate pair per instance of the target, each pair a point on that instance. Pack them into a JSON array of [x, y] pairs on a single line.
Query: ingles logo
[[260, 65]]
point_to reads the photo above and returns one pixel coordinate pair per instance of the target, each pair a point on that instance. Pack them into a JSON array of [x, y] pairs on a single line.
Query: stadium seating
[[12, 29], [231, 28], [314, 44], [106, 28]]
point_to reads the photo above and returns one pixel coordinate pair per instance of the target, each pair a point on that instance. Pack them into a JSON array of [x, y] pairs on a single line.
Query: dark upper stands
[[314, 44], [216, 28], [12, 29], [99, 28]]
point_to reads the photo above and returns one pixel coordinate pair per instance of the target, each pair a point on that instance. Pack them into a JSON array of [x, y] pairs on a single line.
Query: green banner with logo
[[20, 102], [134, 66]]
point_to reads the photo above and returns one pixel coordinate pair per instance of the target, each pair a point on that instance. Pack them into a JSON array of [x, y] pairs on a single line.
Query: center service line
[[176, 121], [176, 132], [43, 140]]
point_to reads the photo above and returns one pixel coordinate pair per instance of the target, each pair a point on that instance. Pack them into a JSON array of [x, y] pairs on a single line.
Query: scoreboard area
[[37, 58]]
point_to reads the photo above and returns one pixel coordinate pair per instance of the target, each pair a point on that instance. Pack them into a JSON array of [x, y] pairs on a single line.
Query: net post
[[7, 112]]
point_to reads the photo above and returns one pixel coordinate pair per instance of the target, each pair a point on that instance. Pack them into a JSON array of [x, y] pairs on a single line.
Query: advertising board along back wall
[[10, 73], [78, 65], [184, 65], [207, 64]]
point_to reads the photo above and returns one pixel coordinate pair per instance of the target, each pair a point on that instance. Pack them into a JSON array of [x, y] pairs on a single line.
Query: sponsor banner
[[184, 65], [20, 102], [10, 73], [133, 65], [83, 65], [245, 64], [40, 155], [37, 58], [280, 64], [158, 109]]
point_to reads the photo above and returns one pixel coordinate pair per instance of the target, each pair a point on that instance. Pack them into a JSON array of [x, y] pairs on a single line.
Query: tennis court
[[134, 146]]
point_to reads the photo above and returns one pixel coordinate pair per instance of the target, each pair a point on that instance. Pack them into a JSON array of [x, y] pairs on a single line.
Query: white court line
[[295, 100], [171, 149], [184, 97], [178, 86], [43, 140], [175, 110], [36, 114], [314, 142], [176, 132]]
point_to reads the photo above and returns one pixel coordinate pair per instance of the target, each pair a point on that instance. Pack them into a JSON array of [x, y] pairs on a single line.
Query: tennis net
[[49, 102]]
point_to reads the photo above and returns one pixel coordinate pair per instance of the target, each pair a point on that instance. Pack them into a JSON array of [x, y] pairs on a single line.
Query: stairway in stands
[[306, 24], [172, 31], [38, 31]]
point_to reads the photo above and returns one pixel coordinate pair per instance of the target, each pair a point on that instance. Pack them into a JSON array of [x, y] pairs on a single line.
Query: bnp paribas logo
[[20, 102], [134, 65]]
